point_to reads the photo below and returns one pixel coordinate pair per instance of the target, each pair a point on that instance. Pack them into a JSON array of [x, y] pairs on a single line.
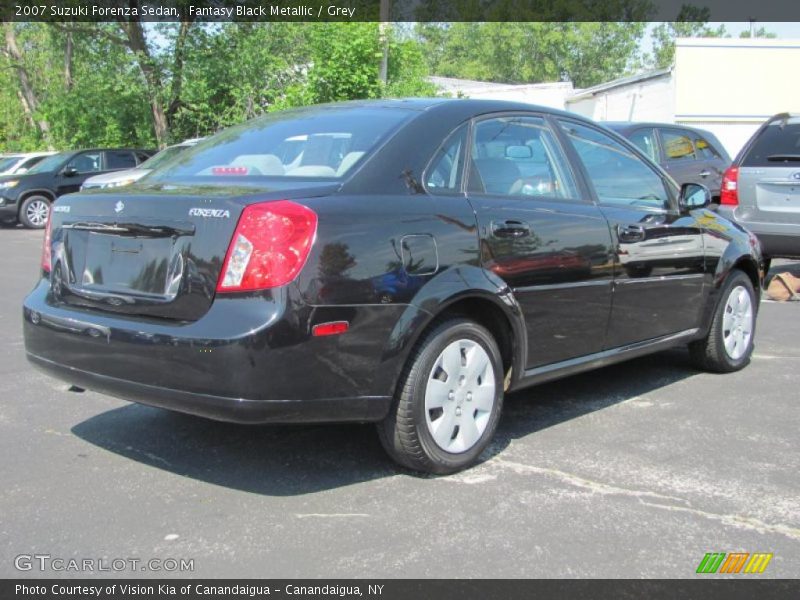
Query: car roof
[[626, 125], [28, 154], [477, 105]]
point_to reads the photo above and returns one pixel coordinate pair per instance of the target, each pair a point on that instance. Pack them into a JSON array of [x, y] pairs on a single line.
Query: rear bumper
[[778, 239], [221, 408], [248, 360]]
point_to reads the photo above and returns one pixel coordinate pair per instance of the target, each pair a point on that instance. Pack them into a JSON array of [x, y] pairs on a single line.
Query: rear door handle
[[705, 173], [631, 233], [510, 229]]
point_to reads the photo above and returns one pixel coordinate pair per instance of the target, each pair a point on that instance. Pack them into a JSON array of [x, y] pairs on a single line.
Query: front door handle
[[631, 233], [510, 229]]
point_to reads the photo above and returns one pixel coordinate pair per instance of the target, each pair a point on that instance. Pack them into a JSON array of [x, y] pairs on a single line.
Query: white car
[[18, 163], [128, 176]]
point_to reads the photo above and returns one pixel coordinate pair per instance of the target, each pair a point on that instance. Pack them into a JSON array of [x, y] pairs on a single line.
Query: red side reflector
[[332, 328]]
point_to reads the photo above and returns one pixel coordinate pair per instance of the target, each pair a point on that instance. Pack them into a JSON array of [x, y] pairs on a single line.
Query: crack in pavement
[[647, 498]]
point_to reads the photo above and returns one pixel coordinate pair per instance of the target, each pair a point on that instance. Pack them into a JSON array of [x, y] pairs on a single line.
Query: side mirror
[[21, 171], [70, 172], [693, 196]]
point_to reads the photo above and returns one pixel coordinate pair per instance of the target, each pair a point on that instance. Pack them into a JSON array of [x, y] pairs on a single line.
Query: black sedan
[[26, 198], [405, 262]]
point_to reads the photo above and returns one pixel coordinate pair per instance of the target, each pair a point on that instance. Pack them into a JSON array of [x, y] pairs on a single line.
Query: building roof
[[452, 84], [621, 82]]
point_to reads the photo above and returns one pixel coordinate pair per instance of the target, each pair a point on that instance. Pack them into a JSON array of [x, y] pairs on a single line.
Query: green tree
[[585, 53], [692, 22], [761, 32]]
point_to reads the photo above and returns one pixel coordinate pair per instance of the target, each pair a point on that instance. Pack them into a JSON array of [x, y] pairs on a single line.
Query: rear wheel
[[729, 343], [34, 212], [448, 400]]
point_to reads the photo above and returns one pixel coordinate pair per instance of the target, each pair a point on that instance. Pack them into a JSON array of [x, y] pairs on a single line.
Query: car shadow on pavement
[[299, 459]]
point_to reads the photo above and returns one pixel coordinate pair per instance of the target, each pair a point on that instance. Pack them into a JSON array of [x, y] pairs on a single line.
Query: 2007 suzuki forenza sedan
[[404, 262]]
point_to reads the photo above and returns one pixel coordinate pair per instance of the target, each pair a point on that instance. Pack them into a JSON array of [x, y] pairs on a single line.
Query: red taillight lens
[[729, 194], [46, 260], [269, 247], [332, 328]]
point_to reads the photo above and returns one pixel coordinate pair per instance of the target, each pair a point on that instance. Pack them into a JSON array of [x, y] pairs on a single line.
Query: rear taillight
[[269, 247], [46, 261], [729, 194]]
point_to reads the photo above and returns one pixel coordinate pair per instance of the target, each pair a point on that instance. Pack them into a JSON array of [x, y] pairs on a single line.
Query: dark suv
[[690, 155], [761, 189], [406, 263], [26, 198]]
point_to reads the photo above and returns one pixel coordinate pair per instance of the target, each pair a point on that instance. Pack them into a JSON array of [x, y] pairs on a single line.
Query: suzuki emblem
[[119, 206], [796, 176]]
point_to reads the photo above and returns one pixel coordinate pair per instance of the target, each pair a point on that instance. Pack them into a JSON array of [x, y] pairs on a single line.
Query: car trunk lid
[[148, 254], [774, 192]]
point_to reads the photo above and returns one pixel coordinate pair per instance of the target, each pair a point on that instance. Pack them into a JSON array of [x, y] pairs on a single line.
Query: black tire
[[710, 353], [30, 217], [405, 433]]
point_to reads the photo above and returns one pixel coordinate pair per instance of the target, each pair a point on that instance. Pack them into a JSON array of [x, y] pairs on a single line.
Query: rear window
[[162, 157], [777, 144], [305, 144]]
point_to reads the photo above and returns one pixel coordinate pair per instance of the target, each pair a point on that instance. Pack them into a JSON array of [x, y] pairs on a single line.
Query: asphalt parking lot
[[635, 470]]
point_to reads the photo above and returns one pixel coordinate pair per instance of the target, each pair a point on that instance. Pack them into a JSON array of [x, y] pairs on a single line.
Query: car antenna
[[412, 183]]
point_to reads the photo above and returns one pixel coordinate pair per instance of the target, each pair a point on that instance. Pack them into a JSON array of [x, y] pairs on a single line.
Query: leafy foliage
[[106, 90], [585, 53]]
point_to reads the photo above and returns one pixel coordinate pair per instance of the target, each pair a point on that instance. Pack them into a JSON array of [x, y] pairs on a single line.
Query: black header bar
[[399, 10]]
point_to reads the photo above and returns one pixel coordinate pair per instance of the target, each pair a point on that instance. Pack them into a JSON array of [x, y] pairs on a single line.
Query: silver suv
[[761, 189]]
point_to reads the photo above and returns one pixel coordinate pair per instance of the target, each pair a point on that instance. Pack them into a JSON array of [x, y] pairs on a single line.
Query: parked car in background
[[761, 189], [407, 262], [26, 198], [128, 176], [18, 163], [690, 155]]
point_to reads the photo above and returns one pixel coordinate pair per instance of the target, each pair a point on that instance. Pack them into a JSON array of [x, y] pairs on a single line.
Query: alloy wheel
[[37, 212]]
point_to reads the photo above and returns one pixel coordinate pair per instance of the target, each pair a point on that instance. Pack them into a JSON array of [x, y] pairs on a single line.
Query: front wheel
[[34, 212], [448, 400], [729, 343]]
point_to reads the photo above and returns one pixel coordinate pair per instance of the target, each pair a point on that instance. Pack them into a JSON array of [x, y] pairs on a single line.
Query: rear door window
[[117, 159], [704, 149], [677, 146], [645, 140], [777, 144], [519, 156]]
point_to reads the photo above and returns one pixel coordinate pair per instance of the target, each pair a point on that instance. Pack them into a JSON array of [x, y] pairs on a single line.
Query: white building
[[726, 85], [646, 96], [553, 95]]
